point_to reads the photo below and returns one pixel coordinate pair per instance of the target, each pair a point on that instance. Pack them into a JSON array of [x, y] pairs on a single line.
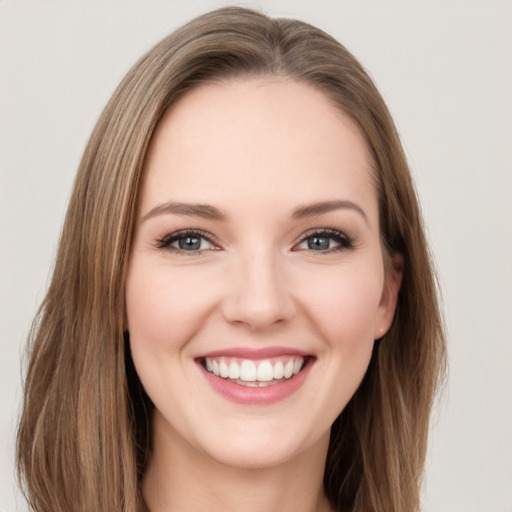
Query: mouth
[[255, 373], [255, 379]]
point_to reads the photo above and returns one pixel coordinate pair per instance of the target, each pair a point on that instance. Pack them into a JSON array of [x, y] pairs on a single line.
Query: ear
[[387, 306]]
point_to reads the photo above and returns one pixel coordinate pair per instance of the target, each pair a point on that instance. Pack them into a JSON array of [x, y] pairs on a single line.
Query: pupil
[[318, 243], [190, 242]]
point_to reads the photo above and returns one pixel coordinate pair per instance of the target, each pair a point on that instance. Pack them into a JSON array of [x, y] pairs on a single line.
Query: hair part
[[84, 433]]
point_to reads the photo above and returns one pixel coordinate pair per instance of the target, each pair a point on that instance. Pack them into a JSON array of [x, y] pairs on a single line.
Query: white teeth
[[251, 384], [223, 369], [288, 369], [247, 371], [234, 370], [265, 372], [279, 370]]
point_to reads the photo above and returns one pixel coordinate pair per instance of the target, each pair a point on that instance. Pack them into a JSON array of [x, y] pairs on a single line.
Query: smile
[[256, 377], [247, 372]]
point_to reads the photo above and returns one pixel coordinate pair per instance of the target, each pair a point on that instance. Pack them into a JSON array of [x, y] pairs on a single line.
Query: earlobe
[[389, 298]]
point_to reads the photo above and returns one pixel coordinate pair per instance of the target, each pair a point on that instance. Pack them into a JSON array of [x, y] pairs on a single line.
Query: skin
[[256, 150]]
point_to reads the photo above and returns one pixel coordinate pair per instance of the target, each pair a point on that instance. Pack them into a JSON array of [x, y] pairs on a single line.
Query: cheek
[[344, 306], [164, 307]]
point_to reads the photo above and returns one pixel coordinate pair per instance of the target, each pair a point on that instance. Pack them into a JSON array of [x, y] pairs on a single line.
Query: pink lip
[[256, 396], [254, 353]]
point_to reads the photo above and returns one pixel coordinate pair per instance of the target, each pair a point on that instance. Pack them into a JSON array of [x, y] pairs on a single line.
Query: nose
[[258, 295]]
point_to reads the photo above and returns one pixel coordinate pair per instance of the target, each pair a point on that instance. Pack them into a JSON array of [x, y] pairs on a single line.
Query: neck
[[179, 478]]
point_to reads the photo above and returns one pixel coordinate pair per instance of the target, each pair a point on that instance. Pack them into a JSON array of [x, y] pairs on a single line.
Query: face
[[256, 285]]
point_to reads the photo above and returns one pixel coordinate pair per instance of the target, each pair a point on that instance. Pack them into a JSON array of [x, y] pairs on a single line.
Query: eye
[[327, 240], [187, 242]]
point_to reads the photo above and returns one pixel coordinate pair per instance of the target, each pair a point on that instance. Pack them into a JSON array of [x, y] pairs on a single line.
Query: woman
[[243, 312]]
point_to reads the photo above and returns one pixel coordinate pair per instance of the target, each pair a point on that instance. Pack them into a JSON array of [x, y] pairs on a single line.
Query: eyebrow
[[311, 210], [207, 211], [204, 211]]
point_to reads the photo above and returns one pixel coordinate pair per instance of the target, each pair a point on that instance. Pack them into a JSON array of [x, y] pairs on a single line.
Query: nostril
[[257, 314], [257, 296]]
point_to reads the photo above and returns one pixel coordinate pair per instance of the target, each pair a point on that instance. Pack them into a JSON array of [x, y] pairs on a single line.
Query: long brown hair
[[84, 431]]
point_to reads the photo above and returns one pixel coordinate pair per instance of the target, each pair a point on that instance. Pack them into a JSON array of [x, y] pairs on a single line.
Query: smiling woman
[[258, 338], [243, 312]]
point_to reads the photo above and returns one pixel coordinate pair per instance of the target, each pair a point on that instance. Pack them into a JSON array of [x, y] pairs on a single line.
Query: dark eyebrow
[[310, 210], [205, 211]]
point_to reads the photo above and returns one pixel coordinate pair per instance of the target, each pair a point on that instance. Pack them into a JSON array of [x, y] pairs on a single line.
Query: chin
[[261, 448], [246, 457]]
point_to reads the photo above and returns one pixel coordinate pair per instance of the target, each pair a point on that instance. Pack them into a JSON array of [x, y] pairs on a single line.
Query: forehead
[[264, 138]]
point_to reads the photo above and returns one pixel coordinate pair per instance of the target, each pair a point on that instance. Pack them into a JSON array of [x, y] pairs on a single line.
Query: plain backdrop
[[444, 68]]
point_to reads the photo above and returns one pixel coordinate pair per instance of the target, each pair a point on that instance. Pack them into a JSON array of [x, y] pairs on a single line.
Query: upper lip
[[254, 353]]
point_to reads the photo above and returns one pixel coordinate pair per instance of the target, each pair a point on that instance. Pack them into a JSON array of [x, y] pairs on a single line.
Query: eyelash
[[345, 242], [165, 242]]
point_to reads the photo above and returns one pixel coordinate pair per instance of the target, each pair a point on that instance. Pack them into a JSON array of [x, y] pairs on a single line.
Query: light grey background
[[444, 68]]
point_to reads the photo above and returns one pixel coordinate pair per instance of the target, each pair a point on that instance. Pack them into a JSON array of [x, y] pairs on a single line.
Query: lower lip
[[257, 396]]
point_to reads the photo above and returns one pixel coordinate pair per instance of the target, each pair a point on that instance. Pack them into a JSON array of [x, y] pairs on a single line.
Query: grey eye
[[318, 243], [186, 241], [191, 243], [325, 241]]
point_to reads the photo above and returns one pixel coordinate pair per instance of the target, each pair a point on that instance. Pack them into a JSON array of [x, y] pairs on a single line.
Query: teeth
[[288, 369], [254, 374], [278, 370], [223, 369], [248, 371], [265, 372], [234, 370]]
